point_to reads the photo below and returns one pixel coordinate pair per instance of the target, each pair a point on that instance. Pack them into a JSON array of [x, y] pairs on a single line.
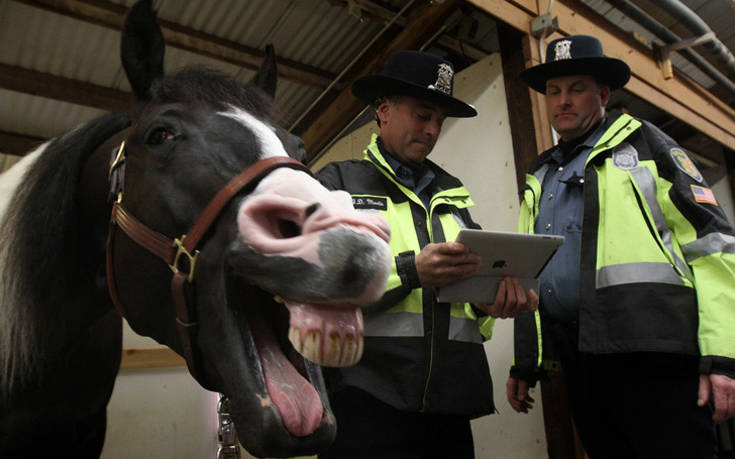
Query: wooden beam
[[65, 89], [150, 358], [18, 144], [702, 111], [378, 12], [111, 15], [345, 106], [520, 111]]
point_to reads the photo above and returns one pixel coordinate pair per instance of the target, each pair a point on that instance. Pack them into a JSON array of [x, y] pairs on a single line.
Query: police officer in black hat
[[424, 372], [638, 305]]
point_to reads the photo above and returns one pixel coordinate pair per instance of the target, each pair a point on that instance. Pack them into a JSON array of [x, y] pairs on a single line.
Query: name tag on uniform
[[369, 203]]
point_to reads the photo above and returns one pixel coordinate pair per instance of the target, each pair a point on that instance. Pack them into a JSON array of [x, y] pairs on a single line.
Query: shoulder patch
[[685, 164], [624, 156], [369, 203], [702, 194]]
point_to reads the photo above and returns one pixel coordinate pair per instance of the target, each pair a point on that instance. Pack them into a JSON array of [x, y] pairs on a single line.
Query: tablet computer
[[504, 254]]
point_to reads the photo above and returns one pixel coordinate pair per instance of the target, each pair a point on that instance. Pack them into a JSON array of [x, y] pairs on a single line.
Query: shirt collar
[[411, 176], [566, 151]]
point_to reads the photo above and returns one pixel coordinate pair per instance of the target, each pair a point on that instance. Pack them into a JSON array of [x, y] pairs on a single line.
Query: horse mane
[[199, 85], [42, 275]]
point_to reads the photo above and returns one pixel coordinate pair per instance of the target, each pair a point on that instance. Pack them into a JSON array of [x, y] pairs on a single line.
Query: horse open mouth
[[291, 342]]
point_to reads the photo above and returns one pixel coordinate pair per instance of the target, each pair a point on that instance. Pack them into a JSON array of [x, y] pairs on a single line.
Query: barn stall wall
[[479, 150], [159, 410]]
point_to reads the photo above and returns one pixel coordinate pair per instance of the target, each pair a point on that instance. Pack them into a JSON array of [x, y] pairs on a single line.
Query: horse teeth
[[309, 347], [294, 336], [336, 351], [312, 347], [332, 351], [348, 351]]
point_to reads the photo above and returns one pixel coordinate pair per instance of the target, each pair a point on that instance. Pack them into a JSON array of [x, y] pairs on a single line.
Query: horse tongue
[[297, 401]]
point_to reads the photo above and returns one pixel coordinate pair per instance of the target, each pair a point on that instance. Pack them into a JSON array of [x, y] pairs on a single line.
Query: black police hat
[[416, 74], [577, 55]]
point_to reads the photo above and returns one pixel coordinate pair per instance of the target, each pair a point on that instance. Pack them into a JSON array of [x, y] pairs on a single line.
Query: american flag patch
[[702, 194]]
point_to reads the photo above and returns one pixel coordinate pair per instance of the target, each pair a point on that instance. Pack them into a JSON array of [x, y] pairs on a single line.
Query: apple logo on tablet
[[499, 264]]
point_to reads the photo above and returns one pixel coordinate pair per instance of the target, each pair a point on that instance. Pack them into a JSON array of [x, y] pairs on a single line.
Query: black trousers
[[367, 428], [635, 405]]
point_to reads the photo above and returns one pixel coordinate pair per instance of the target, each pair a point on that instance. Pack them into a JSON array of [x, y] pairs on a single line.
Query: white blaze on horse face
[[270, 144]]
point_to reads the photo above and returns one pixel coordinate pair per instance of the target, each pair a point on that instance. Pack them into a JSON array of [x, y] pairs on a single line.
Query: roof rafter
[[15, 144], [64, 89]]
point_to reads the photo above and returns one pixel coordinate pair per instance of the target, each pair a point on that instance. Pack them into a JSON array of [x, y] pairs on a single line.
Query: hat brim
[[608, 71], [371, 87]]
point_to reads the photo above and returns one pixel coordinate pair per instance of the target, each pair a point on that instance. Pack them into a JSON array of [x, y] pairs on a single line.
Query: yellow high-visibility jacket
[[419, 355], [657, 267]]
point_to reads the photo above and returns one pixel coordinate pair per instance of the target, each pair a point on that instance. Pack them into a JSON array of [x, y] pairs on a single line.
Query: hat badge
[[443, 79], [562, 50]]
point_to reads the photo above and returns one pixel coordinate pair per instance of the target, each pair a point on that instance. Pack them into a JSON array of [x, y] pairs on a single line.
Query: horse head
[[272, 284]]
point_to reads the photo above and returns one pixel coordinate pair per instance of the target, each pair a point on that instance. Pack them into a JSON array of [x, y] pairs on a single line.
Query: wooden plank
[[111, 15], [511, 13], [681, 111], [18, 144], [520, 112], [544, 138], [150, 358], [65, 89], [346, 106]]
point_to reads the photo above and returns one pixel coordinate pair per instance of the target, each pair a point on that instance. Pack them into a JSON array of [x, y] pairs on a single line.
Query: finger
[[496, 309], [452, 248], [723, 394], [524, 397], [532, 300], [511, 297], [511, 390], [523, 389], [704, 388], [520, 297]]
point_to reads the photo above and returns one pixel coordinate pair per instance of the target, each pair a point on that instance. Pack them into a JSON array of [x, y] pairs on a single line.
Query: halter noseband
[[177, 250]]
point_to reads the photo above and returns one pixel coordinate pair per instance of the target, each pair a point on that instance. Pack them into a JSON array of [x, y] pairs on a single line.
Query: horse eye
[[159, 135]]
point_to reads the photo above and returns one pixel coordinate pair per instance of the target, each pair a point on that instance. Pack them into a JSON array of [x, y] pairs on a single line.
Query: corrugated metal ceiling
[[323, 34]]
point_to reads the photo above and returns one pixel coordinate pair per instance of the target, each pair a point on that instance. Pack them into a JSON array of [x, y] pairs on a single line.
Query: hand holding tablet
[[504, 254]]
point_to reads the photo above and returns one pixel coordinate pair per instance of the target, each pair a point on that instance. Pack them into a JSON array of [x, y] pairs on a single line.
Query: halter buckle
[[119, 158], [192, 259]]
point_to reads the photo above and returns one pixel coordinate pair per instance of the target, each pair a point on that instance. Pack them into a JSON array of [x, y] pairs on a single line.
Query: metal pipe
[[669, 37], [693, 22]]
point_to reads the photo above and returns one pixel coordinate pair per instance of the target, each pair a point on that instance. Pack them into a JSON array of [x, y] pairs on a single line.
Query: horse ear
[[265, 77], [142, 48]]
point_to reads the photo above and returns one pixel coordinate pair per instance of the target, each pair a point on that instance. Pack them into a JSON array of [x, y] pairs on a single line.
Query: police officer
[[638, 305], [424, 372]]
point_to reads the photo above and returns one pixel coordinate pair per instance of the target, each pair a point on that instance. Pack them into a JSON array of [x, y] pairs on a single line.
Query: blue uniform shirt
[[416, 178], [561, 208]]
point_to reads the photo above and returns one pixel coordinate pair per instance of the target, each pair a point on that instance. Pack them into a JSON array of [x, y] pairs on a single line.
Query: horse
[[191, 216]]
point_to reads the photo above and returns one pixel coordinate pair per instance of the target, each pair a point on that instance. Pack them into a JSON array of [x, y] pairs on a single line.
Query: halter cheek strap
[[180, 253]]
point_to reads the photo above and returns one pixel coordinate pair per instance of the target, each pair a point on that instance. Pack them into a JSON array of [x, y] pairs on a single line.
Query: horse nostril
[[288, 229], [311, 209]]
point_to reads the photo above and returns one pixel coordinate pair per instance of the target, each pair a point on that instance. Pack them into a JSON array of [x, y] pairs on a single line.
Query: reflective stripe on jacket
[[646, 243], [419, 355]]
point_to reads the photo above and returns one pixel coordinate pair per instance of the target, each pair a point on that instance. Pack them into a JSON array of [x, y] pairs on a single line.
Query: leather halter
[[179, 253]]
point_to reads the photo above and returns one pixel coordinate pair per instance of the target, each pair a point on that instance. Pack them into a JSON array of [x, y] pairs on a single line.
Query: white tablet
[[504, 254]]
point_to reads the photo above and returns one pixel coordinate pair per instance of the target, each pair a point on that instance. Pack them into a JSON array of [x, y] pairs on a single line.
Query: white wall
[[479, 151], [159, 412]]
